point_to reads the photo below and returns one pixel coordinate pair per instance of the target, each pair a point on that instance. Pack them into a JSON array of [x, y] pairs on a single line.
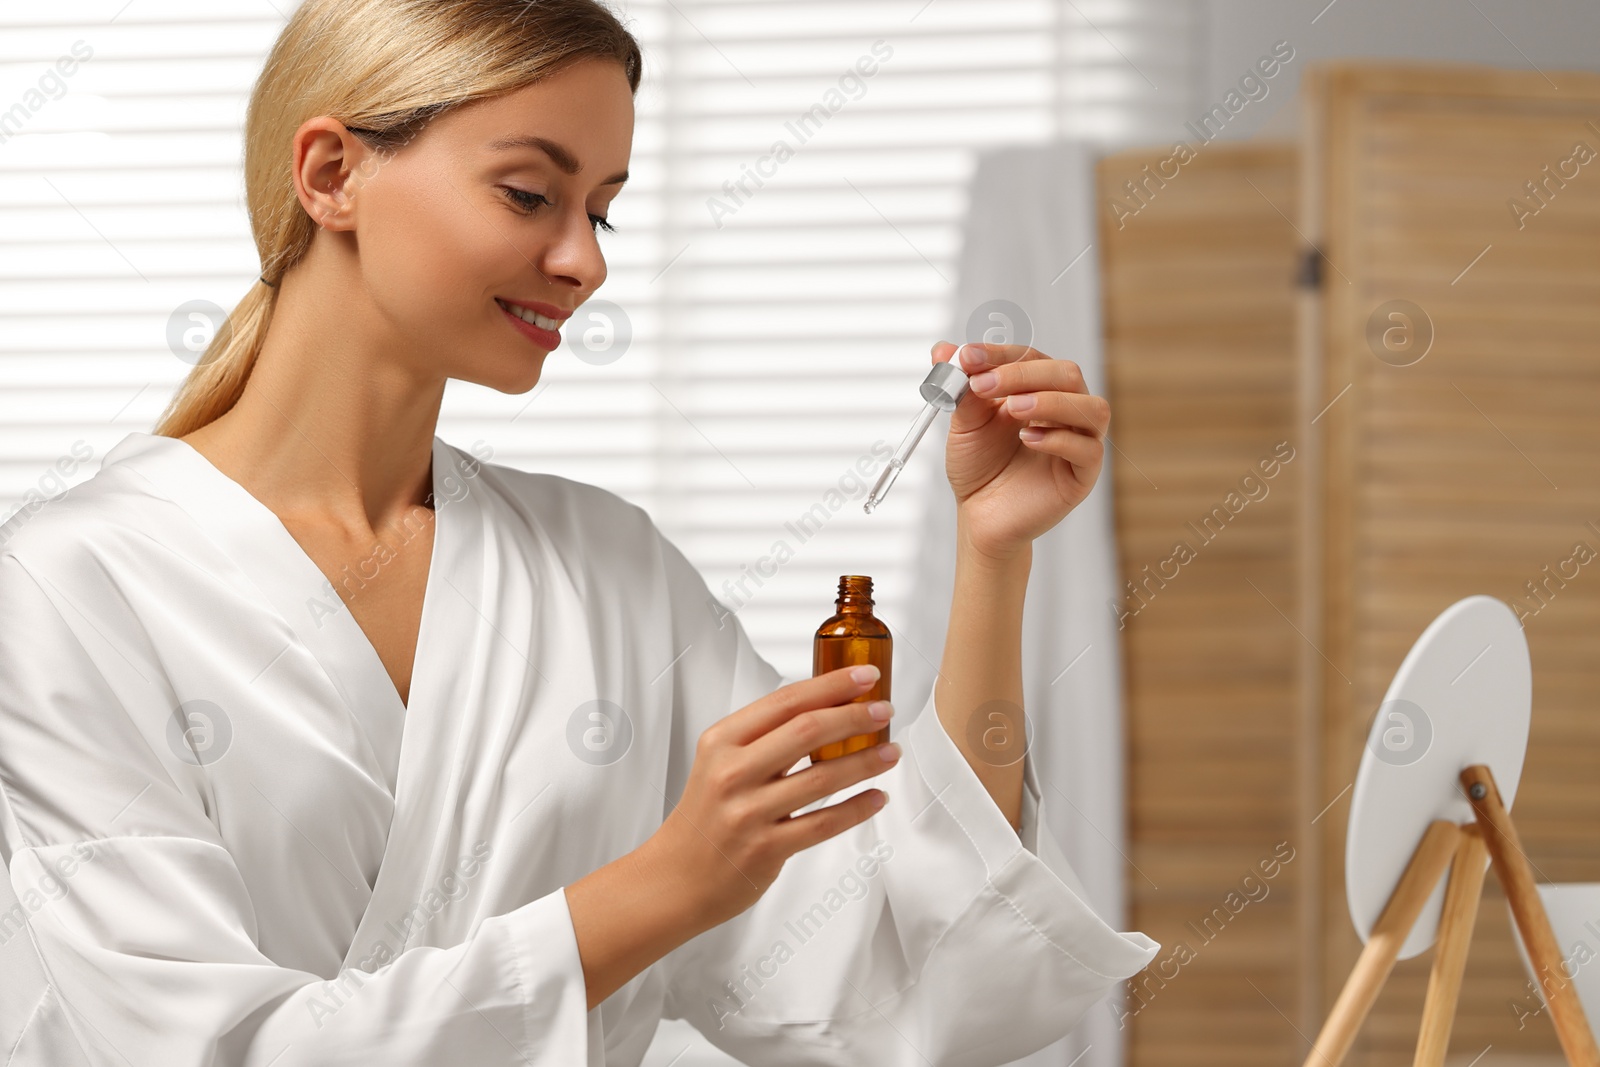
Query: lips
[[537, 322], [544, 316]]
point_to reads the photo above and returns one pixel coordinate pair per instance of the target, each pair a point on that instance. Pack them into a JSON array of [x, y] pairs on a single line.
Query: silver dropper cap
[[945, 384]]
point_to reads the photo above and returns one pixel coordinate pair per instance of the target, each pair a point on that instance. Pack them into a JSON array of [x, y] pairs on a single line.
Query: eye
[[529, 202]]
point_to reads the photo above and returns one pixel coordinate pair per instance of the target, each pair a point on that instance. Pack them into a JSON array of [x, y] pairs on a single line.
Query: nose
[[573, 258]]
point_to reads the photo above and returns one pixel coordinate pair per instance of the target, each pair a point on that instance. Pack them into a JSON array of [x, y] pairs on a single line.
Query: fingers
[[1082, 451], [794, 791], [976, 355], [1082, 411], [1018, 369], [981, 354], [817, 826], [808, 731], [761, 717], [997, 355], [1035, 387], [1029, 376]]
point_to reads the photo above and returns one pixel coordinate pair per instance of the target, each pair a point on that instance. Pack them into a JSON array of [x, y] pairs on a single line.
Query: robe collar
[[253, 538], [423, 747]]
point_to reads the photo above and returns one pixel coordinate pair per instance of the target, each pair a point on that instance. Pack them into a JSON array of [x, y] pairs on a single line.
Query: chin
[[511, 377]]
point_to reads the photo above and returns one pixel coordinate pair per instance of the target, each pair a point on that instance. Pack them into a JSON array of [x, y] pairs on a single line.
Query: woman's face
[[495, 202]]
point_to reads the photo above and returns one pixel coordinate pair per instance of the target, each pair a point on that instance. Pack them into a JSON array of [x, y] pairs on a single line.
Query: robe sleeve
[[144, 927], [929, 934]]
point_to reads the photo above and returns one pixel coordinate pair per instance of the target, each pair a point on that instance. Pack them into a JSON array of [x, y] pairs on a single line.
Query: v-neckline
[[427, 588], [285, 571]]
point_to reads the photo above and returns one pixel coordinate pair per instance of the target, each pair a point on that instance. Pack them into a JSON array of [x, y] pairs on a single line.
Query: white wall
[[1551, 35]]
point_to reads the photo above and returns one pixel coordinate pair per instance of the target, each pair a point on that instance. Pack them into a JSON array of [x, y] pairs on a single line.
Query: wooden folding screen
[[1199, 266], [1436, 370], [1456, 348]]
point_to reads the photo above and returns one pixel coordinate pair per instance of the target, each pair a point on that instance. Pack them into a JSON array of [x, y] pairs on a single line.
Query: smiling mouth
[[544, 322]]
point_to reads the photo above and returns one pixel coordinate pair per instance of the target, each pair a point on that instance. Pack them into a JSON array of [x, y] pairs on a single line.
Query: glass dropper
[[942, 389]]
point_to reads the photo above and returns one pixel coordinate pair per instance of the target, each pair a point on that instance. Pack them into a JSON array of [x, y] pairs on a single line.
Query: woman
[[342, 745]]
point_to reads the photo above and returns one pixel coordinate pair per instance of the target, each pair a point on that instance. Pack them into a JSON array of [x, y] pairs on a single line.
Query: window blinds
[[783, 261]]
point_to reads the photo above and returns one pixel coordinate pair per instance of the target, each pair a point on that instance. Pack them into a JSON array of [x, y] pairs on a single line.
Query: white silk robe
[[231, 843]]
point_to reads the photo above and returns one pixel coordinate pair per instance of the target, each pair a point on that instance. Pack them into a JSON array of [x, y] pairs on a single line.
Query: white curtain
[[1028, 239]]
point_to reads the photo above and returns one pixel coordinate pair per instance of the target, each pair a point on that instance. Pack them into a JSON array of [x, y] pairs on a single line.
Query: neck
[[331, 424]]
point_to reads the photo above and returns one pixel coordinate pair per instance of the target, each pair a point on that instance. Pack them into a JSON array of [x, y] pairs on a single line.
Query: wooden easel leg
[[1450, 951], [1372, 969], [1533, 924]]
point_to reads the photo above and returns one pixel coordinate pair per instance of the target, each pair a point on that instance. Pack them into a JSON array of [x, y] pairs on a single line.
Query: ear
[[329, 163]]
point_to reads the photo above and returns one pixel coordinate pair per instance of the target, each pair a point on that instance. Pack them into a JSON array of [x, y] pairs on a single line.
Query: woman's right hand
[[731, 831]]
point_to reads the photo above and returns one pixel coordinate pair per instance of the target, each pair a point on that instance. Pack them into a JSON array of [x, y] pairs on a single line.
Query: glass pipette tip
[[943, 389], [897, 462]]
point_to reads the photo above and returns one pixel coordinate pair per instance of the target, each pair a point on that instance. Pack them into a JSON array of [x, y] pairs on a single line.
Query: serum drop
[[854, 636]]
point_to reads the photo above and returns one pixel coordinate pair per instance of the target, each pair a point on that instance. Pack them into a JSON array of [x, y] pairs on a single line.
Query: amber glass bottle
[[851, 637]]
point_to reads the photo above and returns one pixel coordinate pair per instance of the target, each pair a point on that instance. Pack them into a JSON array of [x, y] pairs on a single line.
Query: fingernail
[[865, 673], [889, 751], [879, 799], [1021, 402], [970, 354], [984, 382], [881, 710]]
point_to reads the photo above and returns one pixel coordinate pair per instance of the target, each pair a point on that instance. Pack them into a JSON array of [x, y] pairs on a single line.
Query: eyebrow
[[558, 154]]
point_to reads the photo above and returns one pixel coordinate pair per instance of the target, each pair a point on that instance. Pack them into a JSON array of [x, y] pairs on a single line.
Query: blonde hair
[[384, 68]]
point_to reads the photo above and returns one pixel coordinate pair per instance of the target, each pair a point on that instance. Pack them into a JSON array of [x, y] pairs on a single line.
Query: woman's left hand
[[1009, 489]]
